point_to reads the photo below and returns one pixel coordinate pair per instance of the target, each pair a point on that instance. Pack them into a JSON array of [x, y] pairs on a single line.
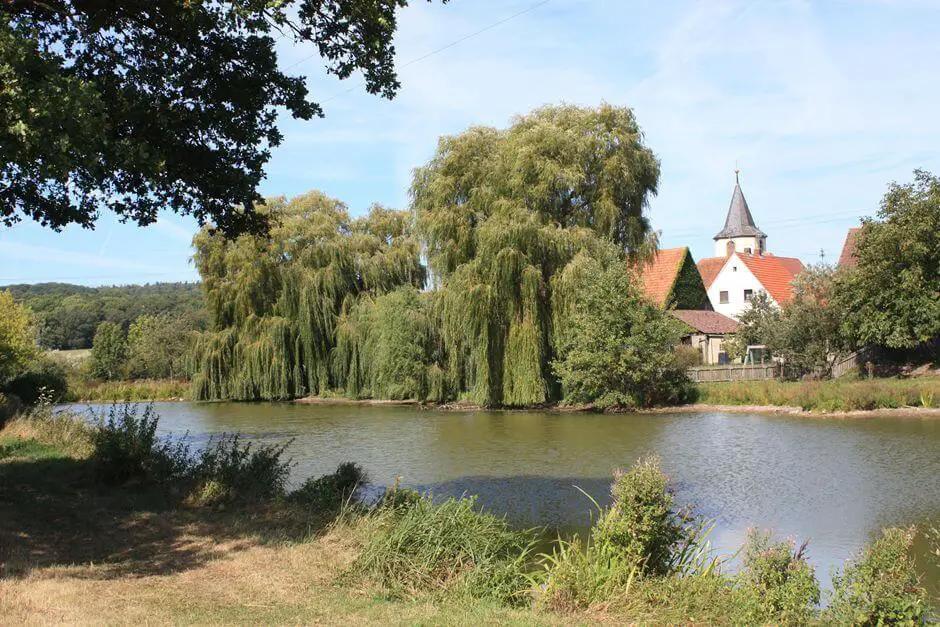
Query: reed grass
[[128, 391], [828, 396], [416, 547]]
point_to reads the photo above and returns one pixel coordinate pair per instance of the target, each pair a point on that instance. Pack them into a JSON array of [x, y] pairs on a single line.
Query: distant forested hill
[[67, 315]]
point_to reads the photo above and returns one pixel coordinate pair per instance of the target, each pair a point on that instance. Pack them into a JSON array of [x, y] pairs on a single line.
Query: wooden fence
[[854, 360], [701, 374]]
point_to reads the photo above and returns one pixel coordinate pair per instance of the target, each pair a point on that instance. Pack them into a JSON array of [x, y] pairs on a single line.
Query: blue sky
[[820, 104]]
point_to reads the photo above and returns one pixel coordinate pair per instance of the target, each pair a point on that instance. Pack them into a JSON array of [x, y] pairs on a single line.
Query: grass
[[129, 391], [830, 396]]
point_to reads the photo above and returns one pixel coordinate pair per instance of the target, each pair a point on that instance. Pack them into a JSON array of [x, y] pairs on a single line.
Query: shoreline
[[695, 408]]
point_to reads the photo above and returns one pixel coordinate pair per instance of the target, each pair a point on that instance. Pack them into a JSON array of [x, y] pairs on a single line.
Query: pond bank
[[695, 408]]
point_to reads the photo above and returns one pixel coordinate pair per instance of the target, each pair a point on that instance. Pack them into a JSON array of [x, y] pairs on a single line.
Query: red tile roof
[[659, 275], [707, 321], [775, 273], [709, 269], [847, 258]]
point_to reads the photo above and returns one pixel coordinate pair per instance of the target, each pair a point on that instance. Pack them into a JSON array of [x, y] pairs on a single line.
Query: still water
[[833, 481]]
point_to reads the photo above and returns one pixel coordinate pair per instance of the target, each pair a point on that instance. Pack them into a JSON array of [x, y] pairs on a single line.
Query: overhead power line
[[431, 53]]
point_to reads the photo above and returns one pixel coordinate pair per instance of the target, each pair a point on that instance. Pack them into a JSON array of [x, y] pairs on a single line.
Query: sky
[[819, 103]]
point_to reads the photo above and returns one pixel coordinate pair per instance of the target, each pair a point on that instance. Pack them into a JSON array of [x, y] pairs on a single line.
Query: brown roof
[[706, 321], [775, 273], [847, 258], [659, 275], [709, 269]]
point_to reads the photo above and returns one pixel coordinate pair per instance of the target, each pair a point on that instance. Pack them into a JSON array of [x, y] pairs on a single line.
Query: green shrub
[[42, 378], [449, 547], [641, 535], [10, 406], [229, 470], [330, 492], [880, 587], [641, 522], [779, 579], [126, 448]]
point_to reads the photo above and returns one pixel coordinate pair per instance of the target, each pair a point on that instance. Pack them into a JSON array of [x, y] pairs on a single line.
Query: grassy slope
[[71, 551], [835, 395]]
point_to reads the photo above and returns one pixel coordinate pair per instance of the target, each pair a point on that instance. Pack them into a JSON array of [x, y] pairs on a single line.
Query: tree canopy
[[615, 348], [275, 299], [17, 338], [503, 211], [892, 296], [138, 106]]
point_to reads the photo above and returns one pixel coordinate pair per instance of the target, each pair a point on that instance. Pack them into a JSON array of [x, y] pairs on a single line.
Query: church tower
[[740, 233]]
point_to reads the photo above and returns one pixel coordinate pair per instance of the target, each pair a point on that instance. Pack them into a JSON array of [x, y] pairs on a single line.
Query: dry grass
[[290, 583], [60, 431]]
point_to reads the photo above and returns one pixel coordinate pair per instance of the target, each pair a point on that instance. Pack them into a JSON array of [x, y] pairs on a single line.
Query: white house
[[742, 267]]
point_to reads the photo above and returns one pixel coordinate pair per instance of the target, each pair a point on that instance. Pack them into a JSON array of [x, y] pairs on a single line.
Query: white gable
[[734, 278]]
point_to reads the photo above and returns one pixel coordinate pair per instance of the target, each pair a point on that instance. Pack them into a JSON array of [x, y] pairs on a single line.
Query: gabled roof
[[659, 275], [706, 321], [739, 222], [775, 274], [847, 258], [709, 269]]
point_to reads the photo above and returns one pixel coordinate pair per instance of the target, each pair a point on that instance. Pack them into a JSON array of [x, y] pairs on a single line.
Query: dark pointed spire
[[740, 222]]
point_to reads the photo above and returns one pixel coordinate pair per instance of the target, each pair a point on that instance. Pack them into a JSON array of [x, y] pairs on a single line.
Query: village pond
[[835, 482]]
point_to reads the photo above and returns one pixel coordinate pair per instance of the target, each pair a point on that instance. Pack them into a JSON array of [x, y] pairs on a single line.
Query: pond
[[835, 482]]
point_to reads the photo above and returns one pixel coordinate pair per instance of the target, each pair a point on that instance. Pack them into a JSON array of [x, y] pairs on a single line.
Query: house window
[[723, 298], [748, 295], [747, 251], [734, 268]]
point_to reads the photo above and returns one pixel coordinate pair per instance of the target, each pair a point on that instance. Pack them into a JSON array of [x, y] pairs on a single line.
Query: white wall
[[734, 278], [740, 244]]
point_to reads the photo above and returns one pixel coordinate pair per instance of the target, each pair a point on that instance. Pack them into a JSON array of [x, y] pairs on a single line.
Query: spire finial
[[737, 171]]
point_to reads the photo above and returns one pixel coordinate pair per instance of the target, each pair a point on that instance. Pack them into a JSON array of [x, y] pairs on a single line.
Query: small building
[[672, 281], [707, 332], [742, 267]]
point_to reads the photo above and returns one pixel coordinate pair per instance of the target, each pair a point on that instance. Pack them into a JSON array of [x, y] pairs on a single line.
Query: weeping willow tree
[[502, 212], [275, 300], [388, 347]]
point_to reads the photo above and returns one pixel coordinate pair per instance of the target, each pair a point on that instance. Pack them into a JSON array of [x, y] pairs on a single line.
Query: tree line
[[519, 227], [66, 316]]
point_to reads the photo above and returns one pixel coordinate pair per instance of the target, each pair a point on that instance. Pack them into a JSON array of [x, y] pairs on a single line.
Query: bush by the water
[[779, 581], [127, 448], [230, 469], [43, 378], [834, 395], [330, 492], [642, 522], [419, 546], [881, 586], [641, 535]]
